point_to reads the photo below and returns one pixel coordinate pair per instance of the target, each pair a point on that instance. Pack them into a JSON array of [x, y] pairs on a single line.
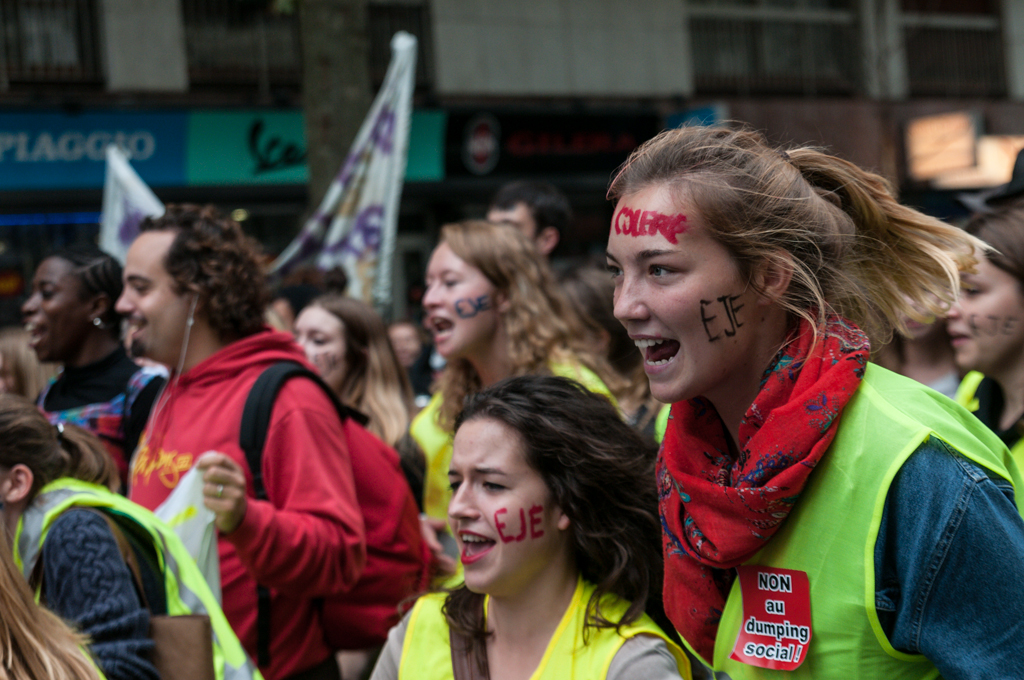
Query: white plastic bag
[[184, 512]]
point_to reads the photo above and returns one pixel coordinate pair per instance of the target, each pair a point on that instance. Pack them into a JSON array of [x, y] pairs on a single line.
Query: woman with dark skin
[[71, 320]]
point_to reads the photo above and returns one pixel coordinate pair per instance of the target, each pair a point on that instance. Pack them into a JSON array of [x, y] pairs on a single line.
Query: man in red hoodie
[[194, 297]]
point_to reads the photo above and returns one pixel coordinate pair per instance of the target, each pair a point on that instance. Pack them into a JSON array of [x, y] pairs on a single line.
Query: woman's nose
[[30, 305], [628, 303], [430, 297], [461, 505]]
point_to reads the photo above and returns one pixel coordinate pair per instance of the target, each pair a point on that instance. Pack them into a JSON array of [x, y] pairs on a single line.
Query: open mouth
[[35, 333], [658, 352], [474, 547], [441, 326]]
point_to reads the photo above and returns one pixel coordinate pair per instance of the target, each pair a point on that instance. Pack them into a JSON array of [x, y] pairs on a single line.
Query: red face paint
[[535, 520], [535, 511], [499, 525], [648, 223]]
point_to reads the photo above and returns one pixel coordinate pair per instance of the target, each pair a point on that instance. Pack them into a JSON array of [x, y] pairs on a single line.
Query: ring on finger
[[220, 490]]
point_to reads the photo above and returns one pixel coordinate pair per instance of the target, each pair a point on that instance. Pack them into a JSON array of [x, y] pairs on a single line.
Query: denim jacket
[[949, 568]]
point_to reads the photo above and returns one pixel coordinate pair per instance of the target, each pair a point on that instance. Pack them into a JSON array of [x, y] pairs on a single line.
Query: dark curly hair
[[98, 273], [600, 473], [212, 256]]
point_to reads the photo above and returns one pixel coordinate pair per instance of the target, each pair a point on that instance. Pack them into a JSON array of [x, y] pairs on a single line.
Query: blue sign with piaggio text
[[48, 150]]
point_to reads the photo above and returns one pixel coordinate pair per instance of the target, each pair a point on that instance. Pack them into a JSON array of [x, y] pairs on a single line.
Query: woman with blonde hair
[[348, 343], [822, 517], [35, 643], [494, 311], [21, 372]]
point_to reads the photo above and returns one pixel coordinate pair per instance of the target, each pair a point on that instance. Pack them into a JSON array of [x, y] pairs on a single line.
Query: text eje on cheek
[[534, 521], [467, 308], [992, 325], [649, 223]]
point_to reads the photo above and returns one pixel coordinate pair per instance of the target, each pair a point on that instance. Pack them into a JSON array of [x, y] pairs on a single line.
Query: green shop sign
[[269, 147]]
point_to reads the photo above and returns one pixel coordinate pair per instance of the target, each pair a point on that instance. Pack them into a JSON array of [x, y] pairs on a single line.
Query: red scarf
[[718, 510]]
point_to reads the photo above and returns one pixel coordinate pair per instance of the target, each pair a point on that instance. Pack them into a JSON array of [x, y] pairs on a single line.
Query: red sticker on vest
[[776, 628]]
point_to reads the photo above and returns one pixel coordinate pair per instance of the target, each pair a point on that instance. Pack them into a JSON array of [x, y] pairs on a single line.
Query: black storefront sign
[[494, 144]]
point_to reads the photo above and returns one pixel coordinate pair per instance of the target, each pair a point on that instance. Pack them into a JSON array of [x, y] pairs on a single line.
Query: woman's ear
[[501, 303], [546, 240], [99, 306], [773, 275], [563, 521], [16, 486]]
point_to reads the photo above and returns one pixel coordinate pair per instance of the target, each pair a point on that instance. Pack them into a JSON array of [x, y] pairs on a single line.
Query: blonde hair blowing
[[33, 642], [374, 383], [540, 325], [854, 250]]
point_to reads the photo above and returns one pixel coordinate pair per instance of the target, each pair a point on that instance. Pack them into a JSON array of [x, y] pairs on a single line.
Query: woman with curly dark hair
[[554, 512]]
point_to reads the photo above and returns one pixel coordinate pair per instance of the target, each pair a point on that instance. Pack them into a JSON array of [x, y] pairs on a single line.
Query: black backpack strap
[[252, 436]]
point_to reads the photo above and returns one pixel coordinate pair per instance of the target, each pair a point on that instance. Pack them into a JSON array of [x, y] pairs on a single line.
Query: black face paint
[[728, 303], [991, 325], [326, 362]]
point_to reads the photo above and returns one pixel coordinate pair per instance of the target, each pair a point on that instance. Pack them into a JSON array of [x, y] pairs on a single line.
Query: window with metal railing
[[238, 42], [49, 41], [954, 49], [775, 46], [241, 42]]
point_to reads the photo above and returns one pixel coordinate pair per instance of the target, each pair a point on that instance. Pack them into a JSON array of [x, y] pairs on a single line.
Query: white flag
[[126, 202], [355, 225]]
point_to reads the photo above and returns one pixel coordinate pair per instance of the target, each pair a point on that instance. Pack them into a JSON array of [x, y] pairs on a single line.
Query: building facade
[[206, 96]]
